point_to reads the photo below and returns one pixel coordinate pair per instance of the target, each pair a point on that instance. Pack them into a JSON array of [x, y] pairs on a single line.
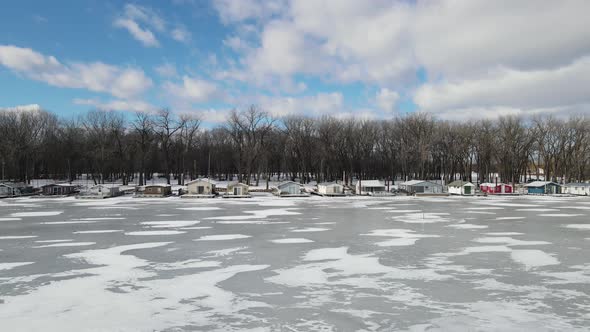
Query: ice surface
[[371, 272], [54, 241], [403, 237], [563, 215], [533, 258], [16, 237], [154, 233], [10, 219], [67, 244], [468, 226], [258, 214], [196, 227], [170, 223], [222, 237], [291, 240], [71, 222], [10, 266], [503, 233], [510, 218], [422, 218], [310, 229], [579, 226], [509, 241], [200, 208], [99, 231], [37, 214]]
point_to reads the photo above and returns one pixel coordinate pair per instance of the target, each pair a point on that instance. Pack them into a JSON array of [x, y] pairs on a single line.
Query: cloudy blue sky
[[455, 59]]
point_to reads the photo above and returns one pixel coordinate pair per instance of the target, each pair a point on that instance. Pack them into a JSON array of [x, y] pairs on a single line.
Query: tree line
[[252, 146]]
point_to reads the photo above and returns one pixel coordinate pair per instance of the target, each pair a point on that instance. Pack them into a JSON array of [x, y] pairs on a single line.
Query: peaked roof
[[60, 184], [202, 180], [415, 182], [460, 183], [371, 183], [286, 183], [540, 184], [494, 184], [157, 185]]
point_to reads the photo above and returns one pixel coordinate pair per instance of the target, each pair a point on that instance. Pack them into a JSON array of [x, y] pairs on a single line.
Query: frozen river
[[311, 264]]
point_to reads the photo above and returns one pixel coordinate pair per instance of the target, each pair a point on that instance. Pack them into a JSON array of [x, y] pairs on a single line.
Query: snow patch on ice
[[170, 223], [259, 214], [560, 215], [10, 266], [54, 241], [67, 244], [226, 252], [37, 214], [503, 233], [403, 237], [222, 237], [291, 240], [533, 258], [578, 226], [152, 233], [10, 219], [468, 226], [509, 241], [100, 231], [200, 208], [253, 222], [310, 229], [510, 218], [16, 237]]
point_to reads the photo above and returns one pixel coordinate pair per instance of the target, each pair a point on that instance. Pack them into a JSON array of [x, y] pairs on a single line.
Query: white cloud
[[97, 76], [231, 11], [145, 15], [145, 36], [192, 90], [319, 104], [181, 34], [139, 21], [133, 15], [501, 55], [22, 108], [236, 43], [461, 38], [510, 88], [386, 99], [117, 105], [166, 70]]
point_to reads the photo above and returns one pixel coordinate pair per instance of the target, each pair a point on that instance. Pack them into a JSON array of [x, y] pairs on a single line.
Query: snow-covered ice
[[154, 233], [310, 229], [99, 231], [222, 237], [291, 240], [267, 263], [67, 244], [37, 214], [9, 266]]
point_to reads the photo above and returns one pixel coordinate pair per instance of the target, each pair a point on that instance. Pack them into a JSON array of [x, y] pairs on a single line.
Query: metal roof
[[535, 184], [460, 183], [371, 183]]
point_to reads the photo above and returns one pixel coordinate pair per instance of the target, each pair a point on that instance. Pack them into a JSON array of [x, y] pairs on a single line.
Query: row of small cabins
[[204, 188]]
